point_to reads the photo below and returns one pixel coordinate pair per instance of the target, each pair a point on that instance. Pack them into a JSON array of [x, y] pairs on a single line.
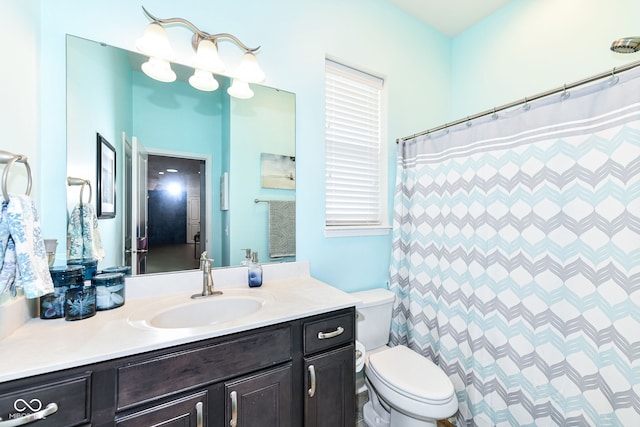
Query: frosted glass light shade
[[155, 42], [207, 57], [240, 89], [249, 70], [203, 80], [159, 69]]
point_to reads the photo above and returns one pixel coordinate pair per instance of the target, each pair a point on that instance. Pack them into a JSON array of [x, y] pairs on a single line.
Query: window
[[355, 180]]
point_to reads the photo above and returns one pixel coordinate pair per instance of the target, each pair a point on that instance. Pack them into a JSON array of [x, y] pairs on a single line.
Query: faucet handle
[[205, 262]]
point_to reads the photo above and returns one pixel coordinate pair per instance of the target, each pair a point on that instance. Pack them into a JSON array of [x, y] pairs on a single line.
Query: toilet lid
[[408, 373]]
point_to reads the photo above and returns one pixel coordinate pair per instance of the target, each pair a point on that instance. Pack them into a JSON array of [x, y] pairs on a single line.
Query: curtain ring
[[565, 94], [495, 115], [526, 105], [613, 79], [5, 175], [468, 122]]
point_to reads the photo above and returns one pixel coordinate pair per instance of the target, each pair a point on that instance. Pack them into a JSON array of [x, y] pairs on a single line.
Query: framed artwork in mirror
[[278, 171], [106, 179]]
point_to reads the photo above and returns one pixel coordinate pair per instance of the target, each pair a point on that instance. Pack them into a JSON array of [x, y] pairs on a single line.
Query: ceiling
[[162, 163], [450, 17]]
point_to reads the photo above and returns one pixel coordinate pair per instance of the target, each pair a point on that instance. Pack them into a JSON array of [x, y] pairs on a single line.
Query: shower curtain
[[516, 258]]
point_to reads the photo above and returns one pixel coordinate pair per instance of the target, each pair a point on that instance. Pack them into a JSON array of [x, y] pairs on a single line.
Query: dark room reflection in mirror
[[222, 136], [175, 197]]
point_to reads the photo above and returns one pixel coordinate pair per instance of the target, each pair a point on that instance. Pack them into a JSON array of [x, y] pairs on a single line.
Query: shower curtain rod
[[527, 99]]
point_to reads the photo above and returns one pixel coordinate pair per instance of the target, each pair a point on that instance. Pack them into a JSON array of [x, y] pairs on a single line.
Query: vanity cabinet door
[[261, 400], [190, 411], [330, 389]]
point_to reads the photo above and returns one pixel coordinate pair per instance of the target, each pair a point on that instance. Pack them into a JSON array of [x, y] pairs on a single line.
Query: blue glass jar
[[52, 305], [109, 290], [80, 302], [124, 269], [90, 266]]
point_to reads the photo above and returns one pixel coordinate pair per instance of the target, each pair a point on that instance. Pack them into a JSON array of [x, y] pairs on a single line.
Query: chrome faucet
[[207, 278]]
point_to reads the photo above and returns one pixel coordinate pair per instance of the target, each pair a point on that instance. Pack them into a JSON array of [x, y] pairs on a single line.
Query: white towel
[[83, 234], [24, 259]]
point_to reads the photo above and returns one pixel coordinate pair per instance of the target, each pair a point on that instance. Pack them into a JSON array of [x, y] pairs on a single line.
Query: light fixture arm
[[199, 34]]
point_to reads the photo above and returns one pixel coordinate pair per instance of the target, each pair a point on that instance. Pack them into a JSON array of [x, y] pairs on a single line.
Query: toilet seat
[[411, 383], [412, 375]]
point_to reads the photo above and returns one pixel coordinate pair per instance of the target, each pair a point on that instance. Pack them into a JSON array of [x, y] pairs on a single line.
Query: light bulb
[[155, 42], [240, 89], [159, 69], [203, 80], [249, 70], [207, 57]]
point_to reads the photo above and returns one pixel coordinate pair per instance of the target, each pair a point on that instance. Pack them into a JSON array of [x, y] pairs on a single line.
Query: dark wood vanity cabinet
[[329, 364], [265, 399], [188, 411], [257, 378]]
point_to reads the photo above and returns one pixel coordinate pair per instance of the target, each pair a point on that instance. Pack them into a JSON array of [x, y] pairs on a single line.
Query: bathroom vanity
[[291, 363]]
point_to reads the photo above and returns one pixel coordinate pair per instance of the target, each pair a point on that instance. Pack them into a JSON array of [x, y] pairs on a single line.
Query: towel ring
[[9, 159], [83, 183]]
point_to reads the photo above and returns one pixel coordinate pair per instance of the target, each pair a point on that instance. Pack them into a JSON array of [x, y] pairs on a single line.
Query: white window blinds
[[353, 144]]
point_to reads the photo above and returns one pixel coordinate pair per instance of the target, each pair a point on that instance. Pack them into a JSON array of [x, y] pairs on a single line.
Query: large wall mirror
[[193, 170]]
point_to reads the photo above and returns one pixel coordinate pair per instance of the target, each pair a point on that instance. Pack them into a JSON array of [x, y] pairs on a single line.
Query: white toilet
[[405, 388]]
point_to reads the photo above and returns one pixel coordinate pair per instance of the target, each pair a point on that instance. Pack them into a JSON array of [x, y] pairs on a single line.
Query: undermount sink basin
[[205, 312]]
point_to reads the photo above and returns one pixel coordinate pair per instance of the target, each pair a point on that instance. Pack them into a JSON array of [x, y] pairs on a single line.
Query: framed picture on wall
[[278, 171], [106, 179]]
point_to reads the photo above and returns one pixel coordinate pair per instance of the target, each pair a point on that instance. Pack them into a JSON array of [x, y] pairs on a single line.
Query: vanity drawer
[[196, 367], [328, 333], [71, 395]]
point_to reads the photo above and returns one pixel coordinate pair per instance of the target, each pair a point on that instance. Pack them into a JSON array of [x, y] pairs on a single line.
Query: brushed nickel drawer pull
[[51, 408], [234, 409], [333, 334], [199, 421], [312, 379]]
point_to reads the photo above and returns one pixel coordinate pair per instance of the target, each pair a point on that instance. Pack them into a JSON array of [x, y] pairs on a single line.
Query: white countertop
[[42, 346]]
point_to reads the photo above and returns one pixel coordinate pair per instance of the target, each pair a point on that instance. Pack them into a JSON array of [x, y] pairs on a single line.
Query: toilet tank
[[374, 317]]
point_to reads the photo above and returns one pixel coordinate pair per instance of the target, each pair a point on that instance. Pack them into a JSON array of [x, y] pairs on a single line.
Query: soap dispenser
[[255, 271], [247, 257]]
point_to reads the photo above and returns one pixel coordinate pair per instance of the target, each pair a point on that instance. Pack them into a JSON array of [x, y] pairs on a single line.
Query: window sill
[[352, 231]]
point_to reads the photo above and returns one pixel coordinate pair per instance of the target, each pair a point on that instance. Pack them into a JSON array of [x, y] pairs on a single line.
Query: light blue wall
[[99, 100], [20, 102], [295, 37], [529, 46], [262, 124], [175, 117]]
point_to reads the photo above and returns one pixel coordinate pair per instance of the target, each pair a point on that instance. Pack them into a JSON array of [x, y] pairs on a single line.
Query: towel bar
[[9, 159], [79, 181], [267, 201]]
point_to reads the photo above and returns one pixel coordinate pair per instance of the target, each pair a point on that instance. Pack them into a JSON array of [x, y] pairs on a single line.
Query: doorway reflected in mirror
[[175, 199]]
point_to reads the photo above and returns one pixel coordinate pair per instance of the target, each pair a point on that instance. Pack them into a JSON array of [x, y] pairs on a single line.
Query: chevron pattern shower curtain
[[516, 259]]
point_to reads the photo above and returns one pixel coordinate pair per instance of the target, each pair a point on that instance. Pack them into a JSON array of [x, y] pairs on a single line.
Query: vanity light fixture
[[155, 44]]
